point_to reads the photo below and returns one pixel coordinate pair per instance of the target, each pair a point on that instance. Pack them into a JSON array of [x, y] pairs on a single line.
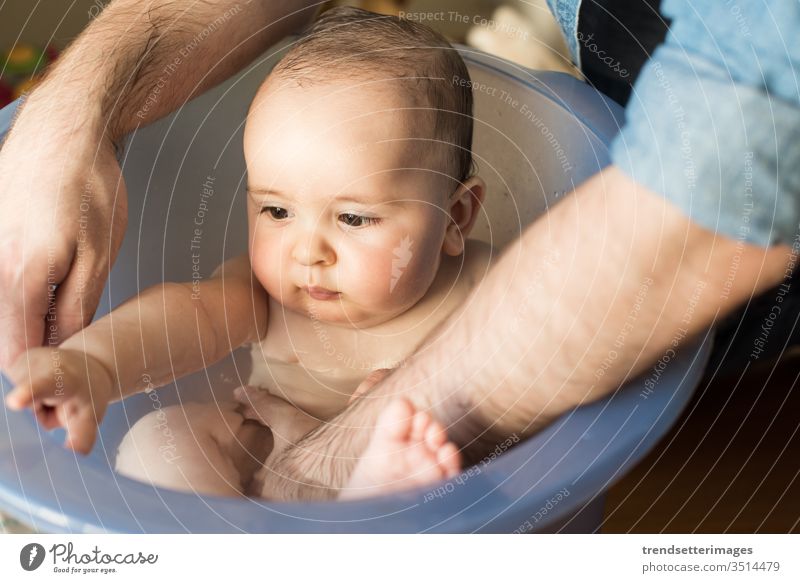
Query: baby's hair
[[363, 44]]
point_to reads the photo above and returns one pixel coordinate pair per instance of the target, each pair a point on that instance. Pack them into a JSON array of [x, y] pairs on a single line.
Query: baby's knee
[[156, 436], [164, 433], [184, 448]]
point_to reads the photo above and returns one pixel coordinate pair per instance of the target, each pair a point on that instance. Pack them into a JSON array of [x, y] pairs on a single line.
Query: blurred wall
[[43, 22], [522, 31]]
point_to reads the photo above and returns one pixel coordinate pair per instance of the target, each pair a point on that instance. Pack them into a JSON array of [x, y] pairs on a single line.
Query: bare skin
[[538, 331], [482, 395], [408, 448], [339, 228], [549, 357], [108, 82]]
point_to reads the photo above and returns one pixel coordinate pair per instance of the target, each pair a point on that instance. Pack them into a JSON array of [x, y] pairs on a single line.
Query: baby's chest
[[322, 392], [335, 351], [317, 367]]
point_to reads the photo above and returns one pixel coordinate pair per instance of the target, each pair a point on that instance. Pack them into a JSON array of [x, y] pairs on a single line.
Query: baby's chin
[[341, 313]]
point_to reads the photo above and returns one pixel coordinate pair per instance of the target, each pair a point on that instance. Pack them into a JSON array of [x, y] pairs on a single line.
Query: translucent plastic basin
[[537, 135]]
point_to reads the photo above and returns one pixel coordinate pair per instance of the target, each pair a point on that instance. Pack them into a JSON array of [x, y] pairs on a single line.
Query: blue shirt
[[713, 123]]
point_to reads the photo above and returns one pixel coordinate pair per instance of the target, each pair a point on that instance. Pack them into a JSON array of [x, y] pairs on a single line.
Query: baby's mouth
[[320, 293]]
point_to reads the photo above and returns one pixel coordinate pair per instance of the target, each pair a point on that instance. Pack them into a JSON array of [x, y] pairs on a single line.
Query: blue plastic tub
[[537, 135]]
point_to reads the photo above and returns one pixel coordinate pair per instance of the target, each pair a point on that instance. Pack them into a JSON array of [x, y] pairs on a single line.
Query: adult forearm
[[138, 61], [590, 295]]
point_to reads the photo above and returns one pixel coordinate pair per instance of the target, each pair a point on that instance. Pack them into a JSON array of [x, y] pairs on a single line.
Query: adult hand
[[59, 152], [63, 212]]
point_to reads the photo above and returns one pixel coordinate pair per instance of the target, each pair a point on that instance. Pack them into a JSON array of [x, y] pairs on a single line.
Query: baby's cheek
[[265, 264], [414, 279], [262, 274], [374, 273], [418, 271], [404, 279]]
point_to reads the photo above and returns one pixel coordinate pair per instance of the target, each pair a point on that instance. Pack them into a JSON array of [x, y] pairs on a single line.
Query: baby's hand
[[64, 388], [288, 423], [259, 405], [369, 383]]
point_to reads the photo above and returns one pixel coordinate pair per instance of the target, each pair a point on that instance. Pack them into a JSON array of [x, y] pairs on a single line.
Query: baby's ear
[[465, 204]]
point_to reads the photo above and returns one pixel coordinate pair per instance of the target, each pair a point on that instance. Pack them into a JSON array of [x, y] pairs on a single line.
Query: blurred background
[[731, 463], [33, 33]]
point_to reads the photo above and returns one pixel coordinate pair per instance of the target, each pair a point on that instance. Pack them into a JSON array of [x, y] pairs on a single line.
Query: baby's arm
[[165, 332], [173, 329]]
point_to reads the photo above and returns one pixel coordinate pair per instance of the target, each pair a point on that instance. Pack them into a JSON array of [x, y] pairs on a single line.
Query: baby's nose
[[312, 250]]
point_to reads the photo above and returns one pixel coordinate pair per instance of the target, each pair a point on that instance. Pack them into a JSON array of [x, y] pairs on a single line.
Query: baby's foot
[[408, 448]]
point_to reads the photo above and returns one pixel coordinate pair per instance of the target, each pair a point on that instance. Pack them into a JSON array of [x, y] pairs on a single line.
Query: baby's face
[[347, 213]]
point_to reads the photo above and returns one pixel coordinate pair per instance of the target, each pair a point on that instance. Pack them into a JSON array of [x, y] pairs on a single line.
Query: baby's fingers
[[47, 416], [40, 393], [37, 378], [369, 383], [247, 395], [249, 413], [81, 427], [242, 396], [19, 398]]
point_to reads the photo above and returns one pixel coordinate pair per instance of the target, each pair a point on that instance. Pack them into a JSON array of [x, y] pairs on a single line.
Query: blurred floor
[[730, 465]]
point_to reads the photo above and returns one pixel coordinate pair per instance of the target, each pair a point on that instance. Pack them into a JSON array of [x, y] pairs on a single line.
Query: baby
[[359, 201]]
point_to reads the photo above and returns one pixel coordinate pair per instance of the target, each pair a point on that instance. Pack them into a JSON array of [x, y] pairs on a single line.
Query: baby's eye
[[276, 212], [353, 220]]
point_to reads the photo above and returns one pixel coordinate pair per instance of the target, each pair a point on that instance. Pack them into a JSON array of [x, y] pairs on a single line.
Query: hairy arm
[[534, 340], [140, 60], [136, 62]]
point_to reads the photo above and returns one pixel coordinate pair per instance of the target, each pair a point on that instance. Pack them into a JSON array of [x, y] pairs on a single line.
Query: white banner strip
[[389, 558]]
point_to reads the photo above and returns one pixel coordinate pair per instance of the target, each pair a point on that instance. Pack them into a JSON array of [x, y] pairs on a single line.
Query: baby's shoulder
[[241, 292], [236, 274], [235, 268], [479, 254], [459, 275], [474, 263]]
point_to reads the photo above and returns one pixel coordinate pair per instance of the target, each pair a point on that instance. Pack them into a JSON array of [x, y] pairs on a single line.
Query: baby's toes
[[422, 463], [394, 424], [448, 458], [435, 435], [419, 427]]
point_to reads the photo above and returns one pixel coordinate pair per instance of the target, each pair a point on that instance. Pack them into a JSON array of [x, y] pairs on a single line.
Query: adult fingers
[[26, 289], [79, 294], [81, 427], [37, 379], [102, 219]]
